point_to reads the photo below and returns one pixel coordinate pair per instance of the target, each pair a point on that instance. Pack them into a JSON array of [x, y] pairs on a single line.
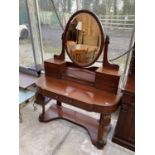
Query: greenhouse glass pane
[[116, 16], [26, 58]]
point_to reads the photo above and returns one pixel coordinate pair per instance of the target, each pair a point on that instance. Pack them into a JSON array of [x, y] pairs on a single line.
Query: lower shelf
[[89, 123]]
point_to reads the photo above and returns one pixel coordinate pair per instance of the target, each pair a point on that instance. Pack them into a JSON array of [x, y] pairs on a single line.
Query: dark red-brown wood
[[98, 131], [124, 134], [64, 38], [83, 96], [93, 89]]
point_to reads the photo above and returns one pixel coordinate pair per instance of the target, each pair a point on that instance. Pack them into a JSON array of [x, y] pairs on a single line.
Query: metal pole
[[33, 48], [128, 56], [39, 27], [35, 32]]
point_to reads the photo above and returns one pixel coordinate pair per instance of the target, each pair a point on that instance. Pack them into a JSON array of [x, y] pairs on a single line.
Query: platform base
[[93, 126]]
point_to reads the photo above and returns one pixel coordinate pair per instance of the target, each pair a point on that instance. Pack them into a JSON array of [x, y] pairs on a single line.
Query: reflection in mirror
[[83, 39]]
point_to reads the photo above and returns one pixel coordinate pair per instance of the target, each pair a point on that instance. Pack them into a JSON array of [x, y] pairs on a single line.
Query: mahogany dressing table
[[80, 84]]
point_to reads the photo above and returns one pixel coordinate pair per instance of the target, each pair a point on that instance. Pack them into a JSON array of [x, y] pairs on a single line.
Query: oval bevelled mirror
[[84, 38]]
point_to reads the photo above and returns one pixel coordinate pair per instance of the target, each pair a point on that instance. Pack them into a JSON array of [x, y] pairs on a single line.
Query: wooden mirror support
[[84, 38], [92, 88]]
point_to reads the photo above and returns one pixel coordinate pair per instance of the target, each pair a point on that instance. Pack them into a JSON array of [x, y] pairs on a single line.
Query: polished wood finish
[[107, 79], [124, 134], [97, 129], [54, 67], [94, 89], [82, 96]]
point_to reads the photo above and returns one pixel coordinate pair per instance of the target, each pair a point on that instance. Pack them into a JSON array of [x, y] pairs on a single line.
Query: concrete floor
[[61, 137]]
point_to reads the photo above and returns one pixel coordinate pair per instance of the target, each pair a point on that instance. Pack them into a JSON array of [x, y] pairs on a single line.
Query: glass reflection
[[83, 39]]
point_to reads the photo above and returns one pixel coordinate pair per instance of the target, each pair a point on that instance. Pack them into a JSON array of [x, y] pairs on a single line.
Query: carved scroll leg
[[41, 100], [59, 103], [103, 129], [41, 118]]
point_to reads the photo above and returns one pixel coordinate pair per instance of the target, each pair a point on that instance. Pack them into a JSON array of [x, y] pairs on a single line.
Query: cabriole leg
[[41, 100]]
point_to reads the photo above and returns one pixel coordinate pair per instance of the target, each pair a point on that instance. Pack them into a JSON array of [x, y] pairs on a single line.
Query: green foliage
[[45, 5], [54, 19], [86, 4], [106, 7], [128, 7], [69, 3], [23, 16], [99, 8]]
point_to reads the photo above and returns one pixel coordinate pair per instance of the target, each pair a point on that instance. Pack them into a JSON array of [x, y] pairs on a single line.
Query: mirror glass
[[84, 38]]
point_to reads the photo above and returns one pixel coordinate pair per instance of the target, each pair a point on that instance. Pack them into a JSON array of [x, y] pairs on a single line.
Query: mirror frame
[[103, 36]]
